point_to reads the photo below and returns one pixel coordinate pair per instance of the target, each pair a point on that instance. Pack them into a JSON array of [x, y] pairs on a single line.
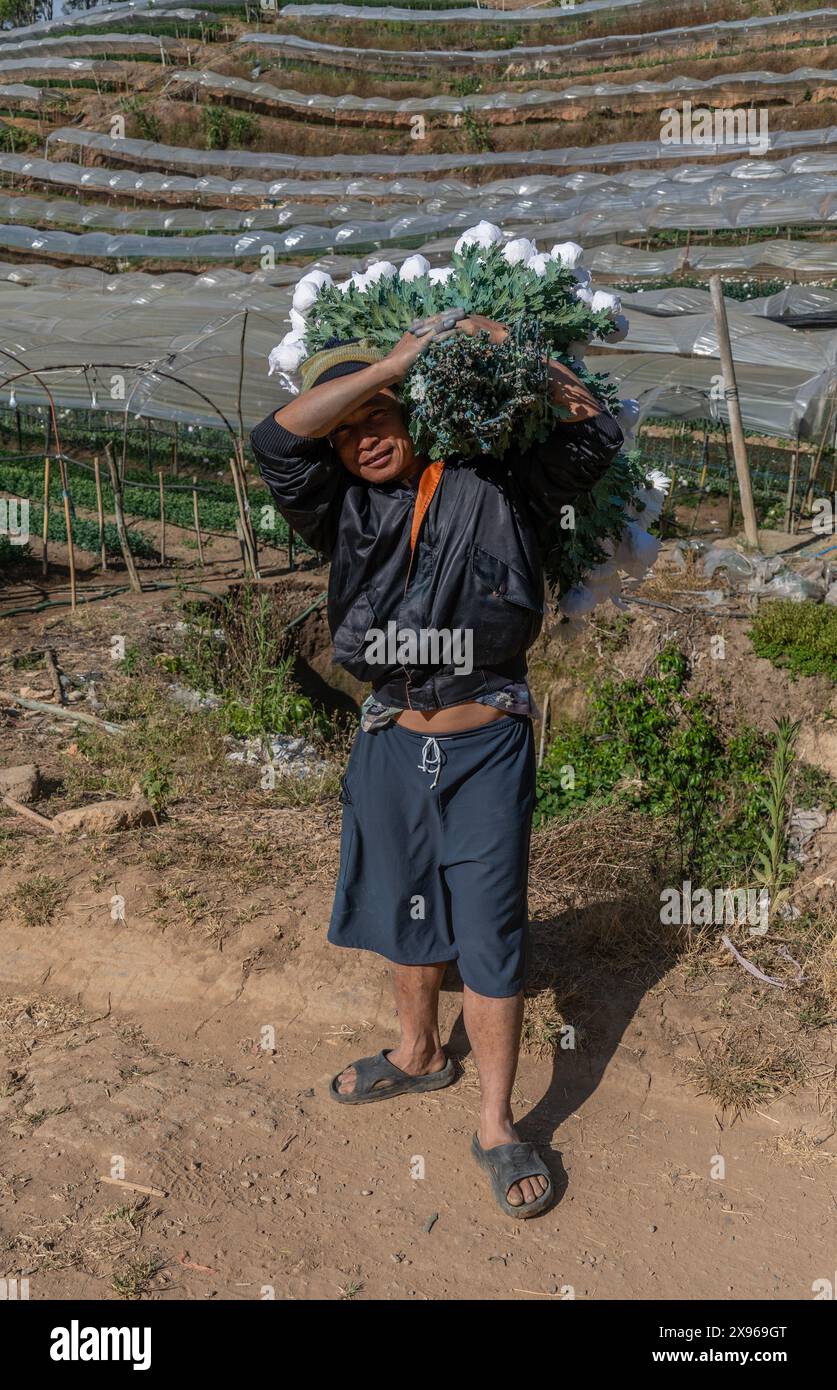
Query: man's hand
[[418, 337], [478, 323]]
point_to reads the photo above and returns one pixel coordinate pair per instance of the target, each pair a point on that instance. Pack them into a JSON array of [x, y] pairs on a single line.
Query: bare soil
[[188, 1049]]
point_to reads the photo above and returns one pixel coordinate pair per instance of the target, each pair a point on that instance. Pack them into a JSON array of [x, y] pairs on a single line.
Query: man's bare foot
[[491, 1135], [407, 1059]]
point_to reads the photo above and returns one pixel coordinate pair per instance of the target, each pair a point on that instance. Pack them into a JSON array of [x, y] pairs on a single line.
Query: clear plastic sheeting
[[814, 176], [797, 306], [785, 257], [264, 285], [89, 45], [69, 68], [387, 14], [232, 163], [755, 341], [182, 364], [292, 46], [586, 214], [178, 347], [412, 227], [21, 94], [94, 19], [221, 85], [774, 400]]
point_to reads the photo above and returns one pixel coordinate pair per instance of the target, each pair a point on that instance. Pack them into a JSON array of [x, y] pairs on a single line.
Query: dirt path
[[267, 1183], [143, 1049]]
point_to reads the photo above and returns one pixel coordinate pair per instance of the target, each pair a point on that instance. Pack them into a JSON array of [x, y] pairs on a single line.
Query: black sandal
[[376, 1078], [507, 1164]]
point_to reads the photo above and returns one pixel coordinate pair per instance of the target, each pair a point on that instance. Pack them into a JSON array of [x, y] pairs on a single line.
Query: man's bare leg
[[416, 990], [493, 1027]]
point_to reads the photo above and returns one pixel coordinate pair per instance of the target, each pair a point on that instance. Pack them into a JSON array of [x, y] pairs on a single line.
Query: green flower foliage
[[466, 396]]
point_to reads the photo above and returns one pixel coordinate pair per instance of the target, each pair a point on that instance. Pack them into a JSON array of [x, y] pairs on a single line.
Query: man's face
[[373, 441]]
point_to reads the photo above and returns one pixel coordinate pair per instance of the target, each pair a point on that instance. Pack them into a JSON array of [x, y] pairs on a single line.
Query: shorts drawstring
[[432, 758]]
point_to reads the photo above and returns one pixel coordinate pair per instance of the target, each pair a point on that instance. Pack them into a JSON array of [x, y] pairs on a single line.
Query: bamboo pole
[[100, 511], [240, 475], [119, 514], [241, 523], [544, 720], [793, 482], [739, 447], [162, 518], [45, 559], [197, 517], [808, 499], [68, 526]]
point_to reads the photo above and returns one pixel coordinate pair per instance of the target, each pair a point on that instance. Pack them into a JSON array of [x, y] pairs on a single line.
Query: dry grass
[[36, 900], [745, 1067]]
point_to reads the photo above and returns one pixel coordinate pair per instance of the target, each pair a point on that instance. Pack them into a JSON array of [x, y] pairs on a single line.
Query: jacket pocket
[[501, 581], [351, 637]]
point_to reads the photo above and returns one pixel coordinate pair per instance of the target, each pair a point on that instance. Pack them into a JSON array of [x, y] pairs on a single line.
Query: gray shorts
[[434, 851]]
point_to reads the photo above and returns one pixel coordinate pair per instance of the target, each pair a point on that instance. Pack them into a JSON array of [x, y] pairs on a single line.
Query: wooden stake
[[45, 560], [119, 515], [793, 482], [68, 526], [739, 447], [29, 814], [100, 512], [55, 675], [544, 718], [162, 519], [241, 523], [197, 518], [808, 499]]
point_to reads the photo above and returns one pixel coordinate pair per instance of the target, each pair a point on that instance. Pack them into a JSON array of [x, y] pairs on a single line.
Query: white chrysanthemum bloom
[[538, 263], [620, 330], [344, 285], [569, 253], [584, 295], [305, 296], [441, 275], [378, 269], [517, 252], [418, 390], [317, 277], [484, 234], [413, 268], [287, 355], [603, 300], [651, 498], [582, 277], [298, 324]]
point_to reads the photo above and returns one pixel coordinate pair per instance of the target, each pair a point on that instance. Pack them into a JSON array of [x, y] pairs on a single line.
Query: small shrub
[[802, 637]]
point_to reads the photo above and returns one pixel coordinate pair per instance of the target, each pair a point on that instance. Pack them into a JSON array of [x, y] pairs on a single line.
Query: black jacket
[[476, 565]]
